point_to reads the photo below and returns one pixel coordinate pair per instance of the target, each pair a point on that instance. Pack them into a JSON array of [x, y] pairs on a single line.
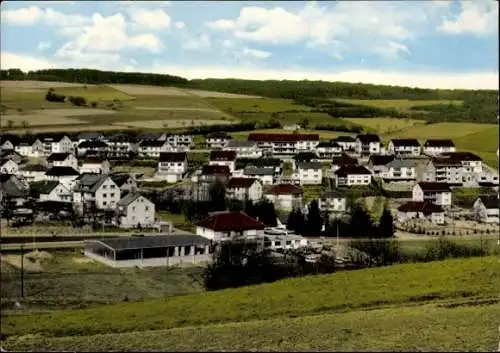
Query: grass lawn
[[326, 135], [69, 280], [384, 125], [163, 101], [441, 130], [147, 171], [425, 328], [398, 285], [396, 103], [267, 105], [485, 140]]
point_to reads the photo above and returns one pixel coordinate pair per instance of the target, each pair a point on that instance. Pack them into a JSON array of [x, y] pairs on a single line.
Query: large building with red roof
[[226, 225], [285, 144]]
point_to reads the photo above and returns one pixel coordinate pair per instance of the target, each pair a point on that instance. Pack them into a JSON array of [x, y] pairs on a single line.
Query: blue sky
[[448, 44]]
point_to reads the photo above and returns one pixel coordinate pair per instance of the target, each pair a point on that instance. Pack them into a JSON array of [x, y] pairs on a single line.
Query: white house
[[470, 162], [435, 146], [438, 193], [424, 210], [62, 159], [153, 148], [124, 181], [332, 201], [264, 174], [172, 166], [225, 225], [399, 170], [377, 163], [33, 172], [244, 149], [217, 139], [223, 158], [486, 209], [308, 173], [95, 165], [89, 136], [52, 191], [347, 143], [135, 211], [285, 144], [444, 170], [285, 196], [120, 146], [8, 166], [7, 145], [367, 144], [30, 149], [97, 188], [353, 175], [92, 147], [180, 140], [244, 189], [328, 149], [404, 147], [65, 175], [62, 145], [283, 241]]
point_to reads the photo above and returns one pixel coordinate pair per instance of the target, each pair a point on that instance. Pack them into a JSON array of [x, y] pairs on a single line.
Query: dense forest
[[478, 106]]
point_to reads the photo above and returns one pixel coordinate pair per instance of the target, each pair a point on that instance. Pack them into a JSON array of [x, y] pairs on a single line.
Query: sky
[[430, 44]]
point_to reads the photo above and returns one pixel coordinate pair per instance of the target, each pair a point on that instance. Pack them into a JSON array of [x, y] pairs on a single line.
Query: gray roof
[[308, 165], [154, 241], [331, 194], [240, 143], [44, 187], [258, 171], [399, 163], [90, 182], [128, 199], [9, 186], [89, 135]]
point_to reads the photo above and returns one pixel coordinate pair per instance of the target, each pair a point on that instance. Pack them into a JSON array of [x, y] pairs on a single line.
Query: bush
[[51, 96], [78, 101], [93, 104], [381, 252], [444, 249]]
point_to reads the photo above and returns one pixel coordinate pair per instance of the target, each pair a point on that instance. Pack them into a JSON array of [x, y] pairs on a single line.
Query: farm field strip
[[158, 124], [214, 94], [384, 125], [395, 103], [440, 130], [139, 90], [39, 84], [423, 328], [347, 290], [178, 108]]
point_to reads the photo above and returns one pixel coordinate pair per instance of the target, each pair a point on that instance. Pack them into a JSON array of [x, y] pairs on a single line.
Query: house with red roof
[[244, 189], [227, 225], [285, 196], [353, 175], [285, 144], [223, 158]]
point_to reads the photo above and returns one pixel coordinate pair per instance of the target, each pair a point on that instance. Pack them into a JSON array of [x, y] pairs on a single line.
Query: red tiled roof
[[281, 189], [239, 183], [215, 169], [172, 156], [434, 186], [223, 155], [226, 221], [343, 160], [425, 207], [283, 137], [352, 170], [462, 156]]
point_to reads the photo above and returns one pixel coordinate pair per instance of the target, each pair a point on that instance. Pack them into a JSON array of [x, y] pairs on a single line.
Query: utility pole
[[22, 270], [337, 233]]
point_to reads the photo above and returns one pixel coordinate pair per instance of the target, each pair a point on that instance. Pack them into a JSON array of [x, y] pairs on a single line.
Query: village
[[74, 178]]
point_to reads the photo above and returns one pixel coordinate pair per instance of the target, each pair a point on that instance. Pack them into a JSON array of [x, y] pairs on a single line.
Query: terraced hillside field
[[402, 104], [125, 106], [449, 305]]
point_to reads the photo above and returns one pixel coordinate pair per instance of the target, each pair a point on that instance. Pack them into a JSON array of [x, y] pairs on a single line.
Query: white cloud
[[392, 50], [345, 26], [179, 25], [149, 19], [23, 62], [197, 43], [33, 15], [254, 53], [476, 17], [107, 38], [44, 45]]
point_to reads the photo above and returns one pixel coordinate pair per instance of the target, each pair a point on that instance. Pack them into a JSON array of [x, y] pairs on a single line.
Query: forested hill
[[269, 88]]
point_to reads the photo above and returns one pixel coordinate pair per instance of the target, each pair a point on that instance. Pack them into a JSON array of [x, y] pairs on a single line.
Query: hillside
[[447, 305], [430, 104]]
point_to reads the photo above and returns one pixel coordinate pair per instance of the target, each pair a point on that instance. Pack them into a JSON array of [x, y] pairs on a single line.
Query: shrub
[[93, 104], [78, 101], [444, 248], [381, 252]]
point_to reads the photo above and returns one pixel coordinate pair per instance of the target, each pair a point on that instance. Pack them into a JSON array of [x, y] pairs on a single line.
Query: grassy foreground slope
[[395, 286], [425, 328]]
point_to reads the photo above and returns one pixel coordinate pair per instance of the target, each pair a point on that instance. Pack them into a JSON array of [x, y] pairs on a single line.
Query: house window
[[104, 195], [104, 186], [146, 208], [133, 208], [112, 194], [104, 203]]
